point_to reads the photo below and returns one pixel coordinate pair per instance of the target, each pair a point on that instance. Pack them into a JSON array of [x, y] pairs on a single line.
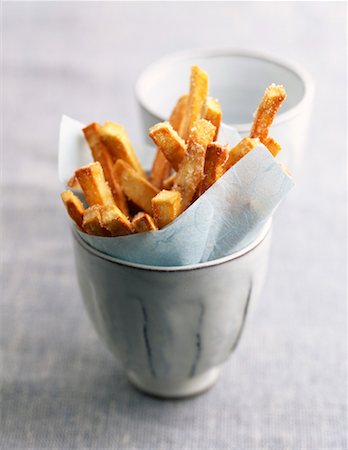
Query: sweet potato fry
[[213, 113], [161, 166], [169, 142], [101, 154], [202, 132], [272, 145], [190, 173], [241, 149], [136, 188], [92, 223], [93, 184], [168, 183], [166, 207], [74, 207], [215, 159], [115, 221], [143, 222], [115, 137], [196, 99], [266, 111]]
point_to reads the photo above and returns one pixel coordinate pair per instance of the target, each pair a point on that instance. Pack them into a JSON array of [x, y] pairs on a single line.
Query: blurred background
[[286, 384]]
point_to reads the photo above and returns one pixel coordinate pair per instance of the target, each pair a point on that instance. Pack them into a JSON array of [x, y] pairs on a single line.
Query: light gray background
[[285, 386]]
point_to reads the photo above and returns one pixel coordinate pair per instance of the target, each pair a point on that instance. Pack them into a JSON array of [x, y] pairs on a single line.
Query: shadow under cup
[[171, 327]]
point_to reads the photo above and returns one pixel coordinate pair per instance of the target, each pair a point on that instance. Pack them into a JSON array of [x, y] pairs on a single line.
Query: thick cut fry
[[115, 221], [101, 154], [190, 173], [93, 184], [202, 133], [73, 183], [178, 113], [74, 207], [168, 183], [143, 222], [115, 137], [136, 188], [241, 149], [272, 145], [169, 142], [92, 223], [166, 207], [196, 99], [215, 159], [161, 166], [266, 111], [213, 113]]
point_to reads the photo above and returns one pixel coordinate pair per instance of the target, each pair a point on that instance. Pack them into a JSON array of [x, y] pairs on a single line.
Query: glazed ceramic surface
[[237, 78], [171, 327]]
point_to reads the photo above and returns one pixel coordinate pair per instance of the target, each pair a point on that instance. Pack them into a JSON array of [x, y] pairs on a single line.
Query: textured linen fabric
[[285, 387]]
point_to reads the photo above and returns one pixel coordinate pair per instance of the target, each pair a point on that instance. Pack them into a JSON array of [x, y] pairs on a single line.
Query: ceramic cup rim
[[247, 249], [290, 66]]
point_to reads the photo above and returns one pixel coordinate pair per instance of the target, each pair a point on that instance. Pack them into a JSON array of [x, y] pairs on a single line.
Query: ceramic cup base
[[175, 389]]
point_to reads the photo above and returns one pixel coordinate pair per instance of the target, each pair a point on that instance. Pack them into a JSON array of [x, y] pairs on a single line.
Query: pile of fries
[[123, 200]]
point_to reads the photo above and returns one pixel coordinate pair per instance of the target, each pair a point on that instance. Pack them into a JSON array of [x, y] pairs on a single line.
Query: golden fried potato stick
[[93, 184], [161, 166], [202, 132], [115, 137], [73, 183], [92, 223], [166, 207], [100, 153], [168, 183], [266, 111], [272, 145], [213, 113], [215, 158], [169, 142], [178, 113], [190, 173], [143, 222], [241, 149], [74, 207], [113, 219], [196, 99], [137, 189]]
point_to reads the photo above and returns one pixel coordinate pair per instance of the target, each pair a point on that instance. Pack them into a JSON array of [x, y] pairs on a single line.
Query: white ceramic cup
[[237, 79], [171, 327]]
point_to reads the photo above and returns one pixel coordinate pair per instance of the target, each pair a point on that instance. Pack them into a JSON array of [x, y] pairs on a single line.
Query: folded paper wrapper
[[224, 220]]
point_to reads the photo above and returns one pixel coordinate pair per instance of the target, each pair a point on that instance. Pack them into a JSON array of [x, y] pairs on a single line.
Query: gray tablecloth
[[285, 386]]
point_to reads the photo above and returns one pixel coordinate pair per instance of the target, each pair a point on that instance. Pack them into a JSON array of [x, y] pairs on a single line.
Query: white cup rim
[[261, 236], [291, 66]]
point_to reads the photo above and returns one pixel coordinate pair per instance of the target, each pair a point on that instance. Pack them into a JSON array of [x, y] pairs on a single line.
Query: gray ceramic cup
[[171, 327]]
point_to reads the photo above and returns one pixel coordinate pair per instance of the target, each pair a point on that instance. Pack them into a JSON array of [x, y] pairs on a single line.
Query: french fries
[[115, 221], [166, 207], [74, 207], [123, 201], [116, 139], [101, 154], [92, 222], [240, 150], [94, 186], [196, 99], [215, 159], [136, 188], [212, 112], [143, 222], [266, 111], [169, 143], [161, 166]]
